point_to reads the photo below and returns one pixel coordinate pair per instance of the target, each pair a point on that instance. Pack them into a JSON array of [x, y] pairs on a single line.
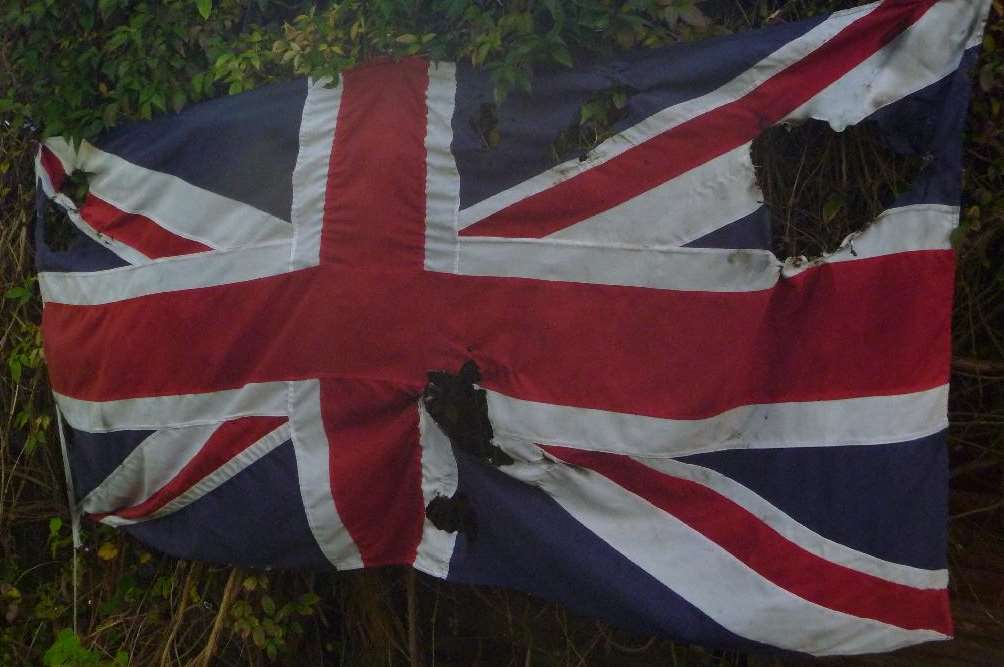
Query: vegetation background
[[78, 67]]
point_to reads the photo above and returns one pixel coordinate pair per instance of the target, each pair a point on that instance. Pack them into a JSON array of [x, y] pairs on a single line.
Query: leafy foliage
[[78, 68]]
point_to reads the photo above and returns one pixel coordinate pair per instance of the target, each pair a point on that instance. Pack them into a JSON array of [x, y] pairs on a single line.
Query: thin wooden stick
[[413, 652], [214, 635]]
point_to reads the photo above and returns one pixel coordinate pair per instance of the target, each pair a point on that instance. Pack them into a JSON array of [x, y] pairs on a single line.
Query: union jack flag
[[708, 442]]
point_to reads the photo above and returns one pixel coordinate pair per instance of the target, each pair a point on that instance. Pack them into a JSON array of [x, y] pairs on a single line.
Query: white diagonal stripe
[[680, 210], [789, 54], [164, 459], [175, 204], [150, 466], [60, 149], [706, 575], [795, 532], [926, 52]]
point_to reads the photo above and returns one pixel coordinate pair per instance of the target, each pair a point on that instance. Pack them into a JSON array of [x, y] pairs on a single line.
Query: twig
[[980, 367], [989, 508], [633, 650], [214, 635], [178, 616], [413, 654]]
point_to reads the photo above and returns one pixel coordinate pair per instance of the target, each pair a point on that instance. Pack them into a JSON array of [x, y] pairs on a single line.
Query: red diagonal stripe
[[767, 552], [862, 328], [53, 167], [136, 231], [226, 442], [376, 470], [703, 138]]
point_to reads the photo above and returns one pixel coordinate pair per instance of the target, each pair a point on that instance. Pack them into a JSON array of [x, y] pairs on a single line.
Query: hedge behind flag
[[688, 435]]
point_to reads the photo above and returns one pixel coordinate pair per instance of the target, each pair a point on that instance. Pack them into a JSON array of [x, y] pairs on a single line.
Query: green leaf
[[110, 114], [561, 55], [15, 369], [268, 605], [106, 7], [205, 7], [67, 650], [832, 207], [619, 99]]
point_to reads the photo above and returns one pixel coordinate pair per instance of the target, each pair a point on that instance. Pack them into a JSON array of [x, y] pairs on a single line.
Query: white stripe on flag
[[176, 205], [795, 532], [165, 459], [63, 153], [904, 229], [147, 468], [439, 478], [680, 210], [918, 227], [267, 399], [787, 55], [707, 576], [310, 176], [924, 54], [313, 465], [850, 421], [442, 184], [168, 274]]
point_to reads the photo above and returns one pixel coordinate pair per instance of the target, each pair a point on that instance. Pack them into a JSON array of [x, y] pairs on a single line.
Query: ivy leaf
[[205, 7], [268, 605]]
